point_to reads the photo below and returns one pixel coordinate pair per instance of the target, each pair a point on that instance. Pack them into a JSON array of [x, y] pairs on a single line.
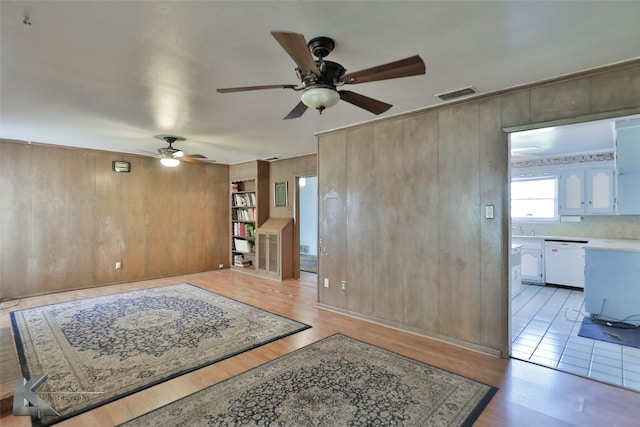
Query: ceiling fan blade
[[248, 88], [369, 104], [297, 111], [296, 46], [412, 66], [192, 158]]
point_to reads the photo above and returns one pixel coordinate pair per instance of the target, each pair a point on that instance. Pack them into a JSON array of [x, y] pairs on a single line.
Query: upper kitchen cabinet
[[586, 191], [628, 166]]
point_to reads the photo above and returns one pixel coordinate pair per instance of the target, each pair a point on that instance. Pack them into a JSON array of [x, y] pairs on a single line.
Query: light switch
[[488, 211]]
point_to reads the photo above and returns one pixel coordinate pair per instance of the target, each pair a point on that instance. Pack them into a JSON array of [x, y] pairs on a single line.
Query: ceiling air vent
[[457, 93]]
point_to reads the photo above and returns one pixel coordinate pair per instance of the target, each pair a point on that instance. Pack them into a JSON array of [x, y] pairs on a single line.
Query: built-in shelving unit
[[249, 209], [243, 223]]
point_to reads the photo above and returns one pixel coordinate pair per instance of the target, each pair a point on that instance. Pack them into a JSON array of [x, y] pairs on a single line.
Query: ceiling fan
[[319, 78], [171, 156]]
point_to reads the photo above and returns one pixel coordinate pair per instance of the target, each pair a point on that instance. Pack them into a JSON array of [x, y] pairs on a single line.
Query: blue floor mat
[[617, 335]]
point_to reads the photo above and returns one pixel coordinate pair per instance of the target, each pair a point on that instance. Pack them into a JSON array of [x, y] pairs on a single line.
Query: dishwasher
[[564, 262]]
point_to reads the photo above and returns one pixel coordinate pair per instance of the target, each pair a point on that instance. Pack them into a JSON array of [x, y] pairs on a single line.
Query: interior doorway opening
[[307, 191]]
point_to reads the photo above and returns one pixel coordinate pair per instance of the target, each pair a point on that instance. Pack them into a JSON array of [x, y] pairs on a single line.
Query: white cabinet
[[531, 259], [586, 191], [628, 162], [514, 263]]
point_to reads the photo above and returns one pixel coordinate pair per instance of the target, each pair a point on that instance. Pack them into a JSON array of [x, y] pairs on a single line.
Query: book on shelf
[[240, 261], [244, 200], [243, 245], [248, 214], [243, 229]]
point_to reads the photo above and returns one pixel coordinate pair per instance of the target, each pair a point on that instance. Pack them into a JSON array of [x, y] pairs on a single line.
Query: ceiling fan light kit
[[319, 79], [171, 156], [169, 161], [320, 97]]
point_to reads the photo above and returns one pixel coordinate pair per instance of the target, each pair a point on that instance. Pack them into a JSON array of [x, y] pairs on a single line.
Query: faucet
[[521, 231], [533, 233]]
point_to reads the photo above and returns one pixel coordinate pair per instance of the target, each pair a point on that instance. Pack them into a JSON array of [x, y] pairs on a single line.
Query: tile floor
[[545, 324]]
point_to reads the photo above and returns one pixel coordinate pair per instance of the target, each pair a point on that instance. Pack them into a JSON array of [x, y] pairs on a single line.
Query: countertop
[[625, 245]]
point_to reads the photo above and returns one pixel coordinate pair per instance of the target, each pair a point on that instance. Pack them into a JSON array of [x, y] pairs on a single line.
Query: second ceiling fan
[[319, 78]]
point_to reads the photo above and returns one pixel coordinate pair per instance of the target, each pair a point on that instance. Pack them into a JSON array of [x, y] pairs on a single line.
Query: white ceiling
[[112, 74]]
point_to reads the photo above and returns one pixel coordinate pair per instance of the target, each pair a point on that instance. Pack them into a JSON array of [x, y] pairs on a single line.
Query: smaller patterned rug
[[337, 381], [613, 332], [100, 349]]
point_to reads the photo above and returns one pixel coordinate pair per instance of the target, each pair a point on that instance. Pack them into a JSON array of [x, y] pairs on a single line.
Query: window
[[534, 199]]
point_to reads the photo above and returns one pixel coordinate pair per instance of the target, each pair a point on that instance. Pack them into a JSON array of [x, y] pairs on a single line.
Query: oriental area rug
[[100, 349], [337, 381]]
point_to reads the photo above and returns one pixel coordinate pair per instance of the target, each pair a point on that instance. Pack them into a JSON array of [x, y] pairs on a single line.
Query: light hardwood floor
[[529, 395]]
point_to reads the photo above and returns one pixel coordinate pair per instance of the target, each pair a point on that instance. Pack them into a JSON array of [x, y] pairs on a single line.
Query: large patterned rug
[[99, 349], [337, 381]]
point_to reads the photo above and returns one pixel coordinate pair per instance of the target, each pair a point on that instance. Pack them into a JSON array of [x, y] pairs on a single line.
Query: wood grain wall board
[[420, 222], [109, 235], [494, 284], [332, 229], [361, 227], [16, 201], [459, 249], [157, 215], [71, 217], [49, 204], [79, 183], [515, 108], [560, 100], [471, 291], [217, 206], [388, 176], [264, 191], [615, 90]]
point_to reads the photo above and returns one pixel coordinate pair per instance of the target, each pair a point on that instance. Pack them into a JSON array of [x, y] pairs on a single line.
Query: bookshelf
[[249, 209], [243, 223]]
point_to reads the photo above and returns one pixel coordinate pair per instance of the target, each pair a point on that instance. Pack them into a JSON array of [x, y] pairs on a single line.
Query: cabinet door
[[273, 255], [262, 252], [628, 162], [531, 266], [599, 185], [571, 194]]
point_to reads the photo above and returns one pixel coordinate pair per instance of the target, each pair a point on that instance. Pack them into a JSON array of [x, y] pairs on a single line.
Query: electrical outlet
[[326, 282], [118, 265], [343, 285]]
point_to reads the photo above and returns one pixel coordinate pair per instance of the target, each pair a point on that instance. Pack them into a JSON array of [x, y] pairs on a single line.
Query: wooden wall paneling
[[419, 217], [360, 221], [459, 223], [332, 224], [79, 185], [178, 218], [157, 217], [494, 251], [110, 238], [217, 215], [244, 170], [388, 177], [133, 184], [560, 100], [49, 246], [16, 204], [194, 233], [515, 108], [615, 90], [264, 191]]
